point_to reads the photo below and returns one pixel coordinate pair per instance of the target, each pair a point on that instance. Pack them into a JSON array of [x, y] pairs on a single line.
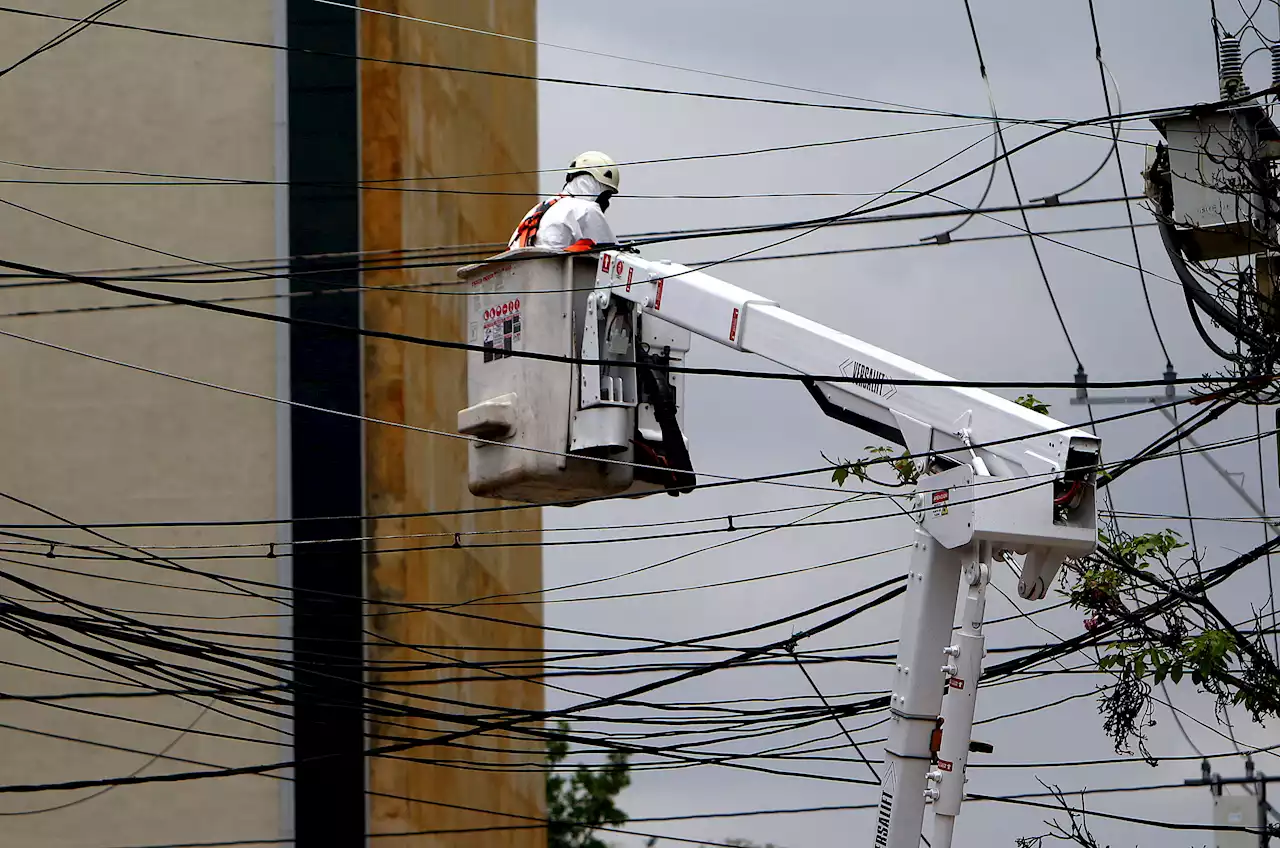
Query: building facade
[[278, 615]]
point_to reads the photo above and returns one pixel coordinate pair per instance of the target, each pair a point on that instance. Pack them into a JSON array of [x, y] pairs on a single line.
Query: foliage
[[1127, 579], [1162, 625], [580, 803], [1076, 830], [1031, 403], [904, 468]]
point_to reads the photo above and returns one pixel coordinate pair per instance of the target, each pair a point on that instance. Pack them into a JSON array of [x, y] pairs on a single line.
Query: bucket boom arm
[[995, 477]]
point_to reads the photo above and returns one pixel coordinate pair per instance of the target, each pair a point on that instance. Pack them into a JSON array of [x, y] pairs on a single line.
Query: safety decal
[[492, 275], [944, 765], [956, 683], [501, 330], [657, 302], [733, 327], [941, 502]]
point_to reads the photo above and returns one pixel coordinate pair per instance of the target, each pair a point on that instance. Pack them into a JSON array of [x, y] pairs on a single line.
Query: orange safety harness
[[527, 231]]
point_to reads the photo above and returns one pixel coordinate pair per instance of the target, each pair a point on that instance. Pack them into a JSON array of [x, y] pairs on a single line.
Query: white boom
[[998, 478]]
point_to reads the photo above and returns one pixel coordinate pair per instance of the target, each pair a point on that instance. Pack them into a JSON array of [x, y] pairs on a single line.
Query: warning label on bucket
[[501, 329]]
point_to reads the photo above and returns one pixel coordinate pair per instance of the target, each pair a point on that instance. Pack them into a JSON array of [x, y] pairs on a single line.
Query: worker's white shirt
[[575, 216]]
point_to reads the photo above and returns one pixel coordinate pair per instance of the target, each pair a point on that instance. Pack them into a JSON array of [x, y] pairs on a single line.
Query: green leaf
[[1032, 403]]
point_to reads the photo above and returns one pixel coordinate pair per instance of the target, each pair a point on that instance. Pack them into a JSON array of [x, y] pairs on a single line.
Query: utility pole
[[1231, 810]]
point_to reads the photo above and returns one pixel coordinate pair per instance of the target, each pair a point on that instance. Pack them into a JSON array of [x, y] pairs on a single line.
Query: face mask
[[603, 200]]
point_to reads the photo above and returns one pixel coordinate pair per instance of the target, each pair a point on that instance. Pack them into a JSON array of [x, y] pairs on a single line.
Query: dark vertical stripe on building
[[327, 477]]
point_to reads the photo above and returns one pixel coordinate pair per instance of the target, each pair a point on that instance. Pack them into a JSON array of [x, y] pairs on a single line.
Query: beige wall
[[95, 442], [98, 443], [430, 123]]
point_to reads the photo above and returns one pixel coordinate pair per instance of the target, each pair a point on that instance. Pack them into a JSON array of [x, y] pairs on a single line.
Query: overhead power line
[[826, 469], [600, 54], [453, 540], [66, 35], [1124, 184], [1017, 194], [187, 180], [870, 109], [464, 346], [403, 259], [435, 289]]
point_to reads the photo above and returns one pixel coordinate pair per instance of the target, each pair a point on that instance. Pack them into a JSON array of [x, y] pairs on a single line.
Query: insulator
[[1275, 64], [1231, 68]]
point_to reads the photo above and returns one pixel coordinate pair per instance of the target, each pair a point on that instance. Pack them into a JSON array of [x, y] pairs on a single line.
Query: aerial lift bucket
[[572, 426]]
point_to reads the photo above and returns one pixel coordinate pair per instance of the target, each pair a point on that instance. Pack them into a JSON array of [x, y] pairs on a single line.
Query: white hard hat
[[598, 165]]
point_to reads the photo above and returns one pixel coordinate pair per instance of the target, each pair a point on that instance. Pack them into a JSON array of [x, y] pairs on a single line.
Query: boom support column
[[914, 706], [965, 670]]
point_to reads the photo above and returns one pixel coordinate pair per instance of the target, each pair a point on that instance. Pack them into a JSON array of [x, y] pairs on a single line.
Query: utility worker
[[574, 220]]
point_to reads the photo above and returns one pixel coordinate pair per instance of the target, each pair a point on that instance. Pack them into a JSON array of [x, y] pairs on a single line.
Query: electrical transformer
[[1214, 170]]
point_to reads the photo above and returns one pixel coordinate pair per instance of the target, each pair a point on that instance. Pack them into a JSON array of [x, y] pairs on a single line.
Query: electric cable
[[834, 715], [477, 510], [1262, 489], [1186, 494], [404, 262], [66, 35], [1124, 186], [431, 288], [150, 761], [944, 237], [907, 111], [1220, 828], [683, 840], [479, 726], [162, 179], [597, 53], [703, 95], [101, 554], [1017, 194], [451, 345]]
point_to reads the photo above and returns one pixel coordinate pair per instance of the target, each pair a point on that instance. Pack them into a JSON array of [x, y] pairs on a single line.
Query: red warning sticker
[[733, 327], [502, 329], [955, 683], [944, 765], [657, 303], [941, 497]]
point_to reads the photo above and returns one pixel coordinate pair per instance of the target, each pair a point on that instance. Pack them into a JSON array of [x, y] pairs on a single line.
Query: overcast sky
[[972, 310]]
